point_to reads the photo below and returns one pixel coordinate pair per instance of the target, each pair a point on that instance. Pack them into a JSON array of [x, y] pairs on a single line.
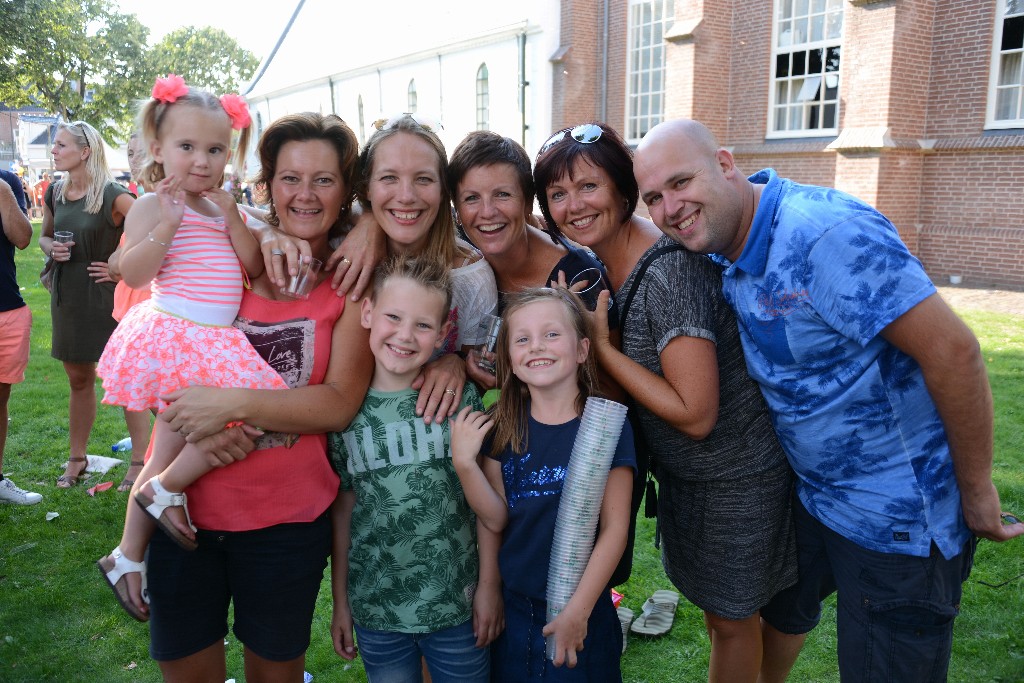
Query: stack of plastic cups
[[580, 506]]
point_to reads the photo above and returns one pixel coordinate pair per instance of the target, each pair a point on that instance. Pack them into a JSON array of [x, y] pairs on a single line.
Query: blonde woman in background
[[89, 204]]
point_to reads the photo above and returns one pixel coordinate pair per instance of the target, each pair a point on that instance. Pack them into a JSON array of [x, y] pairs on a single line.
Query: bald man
[[878, 393]]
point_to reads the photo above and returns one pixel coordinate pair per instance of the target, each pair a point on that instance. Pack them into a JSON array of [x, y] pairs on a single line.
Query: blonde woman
[[87, 203]]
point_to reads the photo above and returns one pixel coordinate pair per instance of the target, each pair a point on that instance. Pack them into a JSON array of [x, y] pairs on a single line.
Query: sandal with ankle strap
[[113, 567], [157, 504], [126, 483], [66, 481]]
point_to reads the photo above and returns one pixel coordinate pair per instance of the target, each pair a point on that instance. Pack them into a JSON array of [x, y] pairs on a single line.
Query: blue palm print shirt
[[821, 275]]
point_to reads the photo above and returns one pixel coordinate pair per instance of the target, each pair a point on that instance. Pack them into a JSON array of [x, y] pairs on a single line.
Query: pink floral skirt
[[152, 353]]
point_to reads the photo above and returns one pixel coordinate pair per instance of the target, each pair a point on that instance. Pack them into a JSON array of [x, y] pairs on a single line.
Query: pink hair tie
[[237, 109], [169, 89]]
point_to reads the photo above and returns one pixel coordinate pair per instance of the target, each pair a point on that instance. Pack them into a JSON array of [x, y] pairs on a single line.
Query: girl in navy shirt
[[546, 374]]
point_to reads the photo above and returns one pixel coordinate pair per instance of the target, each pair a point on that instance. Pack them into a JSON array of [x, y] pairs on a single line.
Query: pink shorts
[[15, 328]]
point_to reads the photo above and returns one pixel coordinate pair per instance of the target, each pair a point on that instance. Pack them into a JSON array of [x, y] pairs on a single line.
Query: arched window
[[483, 99], [412, 95], [362, 123]]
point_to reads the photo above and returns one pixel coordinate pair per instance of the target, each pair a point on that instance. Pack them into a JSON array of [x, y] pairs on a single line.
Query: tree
[[80, 59], [13, 22], [205, 57]]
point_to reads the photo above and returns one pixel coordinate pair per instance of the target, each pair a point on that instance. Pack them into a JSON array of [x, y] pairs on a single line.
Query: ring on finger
[[276, 252], [450, 392], [346, 261]]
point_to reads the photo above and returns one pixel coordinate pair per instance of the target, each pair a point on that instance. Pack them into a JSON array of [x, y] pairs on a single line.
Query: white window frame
[[815, 9], [362, 121], [483, 98], [645, 87], [998, 54]]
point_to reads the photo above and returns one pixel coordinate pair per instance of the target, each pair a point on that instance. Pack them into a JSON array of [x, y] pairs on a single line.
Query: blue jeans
[[894, 612], [451, 654]]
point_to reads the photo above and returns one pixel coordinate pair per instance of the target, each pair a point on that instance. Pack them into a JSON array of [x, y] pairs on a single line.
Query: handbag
[[46, 274]]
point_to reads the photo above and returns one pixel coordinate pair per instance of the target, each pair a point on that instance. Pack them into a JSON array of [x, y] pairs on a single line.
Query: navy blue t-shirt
[[10, 296], [533, 488]]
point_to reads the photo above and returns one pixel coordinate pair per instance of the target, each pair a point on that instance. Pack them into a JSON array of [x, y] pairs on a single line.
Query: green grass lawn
[[59, 622]]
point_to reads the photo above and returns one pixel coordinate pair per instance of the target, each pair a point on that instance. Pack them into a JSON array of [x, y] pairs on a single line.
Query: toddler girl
[[546, 374], [189, 238]]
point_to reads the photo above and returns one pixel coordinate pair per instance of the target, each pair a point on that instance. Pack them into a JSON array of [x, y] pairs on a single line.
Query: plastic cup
[[588, 284], [492, 324], [63, 236], [301, 284]]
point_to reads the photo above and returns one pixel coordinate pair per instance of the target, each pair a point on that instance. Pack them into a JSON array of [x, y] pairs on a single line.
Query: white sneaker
[[9, 493]]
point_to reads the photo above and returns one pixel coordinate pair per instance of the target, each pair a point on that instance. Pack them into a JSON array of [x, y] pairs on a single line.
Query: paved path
[[995, 300]]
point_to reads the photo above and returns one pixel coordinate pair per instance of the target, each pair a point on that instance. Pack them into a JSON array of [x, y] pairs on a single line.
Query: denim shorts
[[519, 654], [451, 655], [895, 612], [272, 575]]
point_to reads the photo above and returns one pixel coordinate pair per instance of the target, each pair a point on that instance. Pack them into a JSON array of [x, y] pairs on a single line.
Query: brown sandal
[[66, 481], [126, 483]]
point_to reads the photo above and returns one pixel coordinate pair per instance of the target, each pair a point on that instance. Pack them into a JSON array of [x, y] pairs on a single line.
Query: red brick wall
[[577, 79], [749, 89], [576, 85], [918, 68], [812, 169], [982, 256], [912, 51], [961, 57]]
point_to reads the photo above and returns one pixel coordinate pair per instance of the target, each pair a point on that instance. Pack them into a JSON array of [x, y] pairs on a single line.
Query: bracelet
[[153, 239]]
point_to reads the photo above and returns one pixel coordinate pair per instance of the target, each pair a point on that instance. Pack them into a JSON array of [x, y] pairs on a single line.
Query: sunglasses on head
[[81, 127], [423, 122], [584, 134]]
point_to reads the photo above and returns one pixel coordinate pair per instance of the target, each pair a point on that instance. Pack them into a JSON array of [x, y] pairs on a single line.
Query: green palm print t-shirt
[[413, 563]]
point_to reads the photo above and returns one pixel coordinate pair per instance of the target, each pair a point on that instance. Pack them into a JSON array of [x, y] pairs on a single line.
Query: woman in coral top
[[263, 531]]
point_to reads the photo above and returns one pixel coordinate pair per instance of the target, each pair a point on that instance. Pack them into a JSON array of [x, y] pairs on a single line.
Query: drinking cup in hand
[[588, 284], [301, 284], [64, 237], [493, 325]]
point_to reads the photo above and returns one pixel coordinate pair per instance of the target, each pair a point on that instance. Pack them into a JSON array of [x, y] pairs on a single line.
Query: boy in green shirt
[[405, 565]]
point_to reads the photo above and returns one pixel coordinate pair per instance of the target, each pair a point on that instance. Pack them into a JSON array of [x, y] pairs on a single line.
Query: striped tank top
[[200, 278]]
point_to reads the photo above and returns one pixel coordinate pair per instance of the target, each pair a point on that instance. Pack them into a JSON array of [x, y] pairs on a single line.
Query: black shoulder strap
[[644, 263]]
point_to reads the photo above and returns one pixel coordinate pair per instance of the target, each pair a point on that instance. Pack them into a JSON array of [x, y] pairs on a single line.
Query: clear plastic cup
[[302, 283], [588, 284], [492, 325]]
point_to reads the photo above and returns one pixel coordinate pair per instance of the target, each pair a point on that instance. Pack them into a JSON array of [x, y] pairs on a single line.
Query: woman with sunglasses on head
[[91, 206], [404, 183], [724, 499]]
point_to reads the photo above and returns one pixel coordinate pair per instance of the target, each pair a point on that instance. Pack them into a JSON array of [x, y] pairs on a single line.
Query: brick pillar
[[699, 60], [887, 50]]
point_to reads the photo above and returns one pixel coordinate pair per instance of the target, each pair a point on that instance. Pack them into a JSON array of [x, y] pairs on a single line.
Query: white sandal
[[113, 567], [156, 505], [658, 614]]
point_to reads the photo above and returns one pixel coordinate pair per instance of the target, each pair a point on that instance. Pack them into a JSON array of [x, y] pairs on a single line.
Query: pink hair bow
[[237, 109], [169, 89]]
